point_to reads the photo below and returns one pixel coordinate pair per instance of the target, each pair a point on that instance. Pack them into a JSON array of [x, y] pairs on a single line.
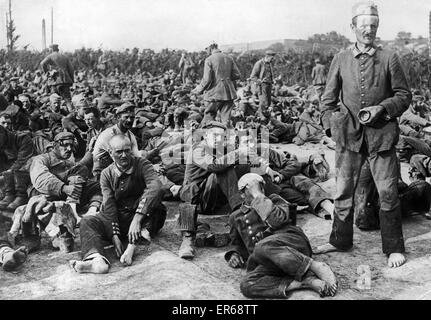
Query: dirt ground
[[158, 273]]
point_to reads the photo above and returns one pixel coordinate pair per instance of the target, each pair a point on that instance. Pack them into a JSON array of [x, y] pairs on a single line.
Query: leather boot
[[64, 242], [9, 190], [22, 181], [12, 259], [187, 250]]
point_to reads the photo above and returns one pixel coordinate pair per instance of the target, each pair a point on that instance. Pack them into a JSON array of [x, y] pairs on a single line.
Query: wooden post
[[43, 35], [52, 26]]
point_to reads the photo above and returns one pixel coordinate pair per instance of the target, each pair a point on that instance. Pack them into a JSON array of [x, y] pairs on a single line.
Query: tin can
[[364, 115]]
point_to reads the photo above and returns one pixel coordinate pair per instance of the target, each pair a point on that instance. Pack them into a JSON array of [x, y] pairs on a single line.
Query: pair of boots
[[15, 190]]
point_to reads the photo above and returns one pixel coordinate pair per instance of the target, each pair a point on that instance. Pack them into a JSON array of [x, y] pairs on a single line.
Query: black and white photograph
[[215, 154]]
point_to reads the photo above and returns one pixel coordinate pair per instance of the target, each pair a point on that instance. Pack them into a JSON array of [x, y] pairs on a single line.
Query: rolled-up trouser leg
[[210, 112], [225, 109], [384, 168], [265, 282], [347, 170], [187, 218], [311, 190], [93, 233]]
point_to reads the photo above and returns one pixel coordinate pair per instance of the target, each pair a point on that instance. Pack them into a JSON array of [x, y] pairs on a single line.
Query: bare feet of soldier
[[317, 285], [95, 265], [325, 249], [14, 259], [324, 273], [396, 260], [127, 257]]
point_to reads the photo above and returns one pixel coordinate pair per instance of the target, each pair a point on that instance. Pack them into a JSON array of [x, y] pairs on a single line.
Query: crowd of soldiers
[[102, 151]]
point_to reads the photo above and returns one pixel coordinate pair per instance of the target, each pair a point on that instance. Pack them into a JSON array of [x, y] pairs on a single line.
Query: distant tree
[[332, 37], [404, 37], [12, 38], [277, 47]]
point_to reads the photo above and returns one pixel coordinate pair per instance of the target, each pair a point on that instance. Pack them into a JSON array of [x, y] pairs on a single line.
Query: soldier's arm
[[43, 180], [151, 197], [236, 74], [236, 244], [206, 79], [110, 210], [400, 101], [332, 91], [274, 213], [255, 72]]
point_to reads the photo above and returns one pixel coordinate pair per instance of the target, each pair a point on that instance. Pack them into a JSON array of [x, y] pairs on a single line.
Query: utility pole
[[52, 26], [7, 32], [429, 35], [43, 35]]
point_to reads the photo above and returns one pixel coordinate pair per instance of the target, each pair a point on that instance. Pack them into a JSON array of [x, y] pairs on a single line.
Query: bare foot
[[325, 249], [14, 259], [324, 273], [316, 285], [396, 259], [95, 265], [127, 256]]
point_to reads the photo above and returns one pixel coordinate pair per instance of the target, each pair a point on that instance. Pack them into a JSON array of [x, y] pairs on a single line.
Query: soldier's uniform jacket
[[48, 173], [258, 71], [124, 193], [18, 147], [364, 79], [220, 71], [62, 65], [250, 224], [318, 74]]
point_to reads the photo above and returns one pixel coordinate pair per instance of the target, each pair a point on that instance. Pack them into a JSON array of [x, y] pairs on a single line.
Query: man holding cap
[[366, 78], [278, 253], [263, 76]]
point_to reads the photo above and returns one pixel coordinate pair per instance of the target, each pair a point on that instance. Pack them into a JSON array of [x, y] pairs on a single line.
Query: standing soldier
[[62, 74], [263, 76], [371, 82], [220, 72], [319, 78]]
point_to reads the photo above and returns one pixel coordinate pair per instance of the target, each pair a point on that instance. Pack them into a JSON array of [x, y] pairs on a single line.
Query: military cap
[[214, 124], [54, 46], [246, 179], [125, 107], [64, 136], [270, 53], [364, 8]]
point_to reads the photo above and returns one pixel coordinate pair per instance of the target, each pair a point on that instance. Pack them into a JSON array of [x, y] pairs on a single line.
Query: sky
[[193, 24]]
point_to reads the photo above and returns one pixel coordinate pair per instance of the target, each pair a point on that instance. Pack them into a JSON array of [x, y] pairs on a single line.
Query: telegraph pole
[[52, 26], [43, 35]]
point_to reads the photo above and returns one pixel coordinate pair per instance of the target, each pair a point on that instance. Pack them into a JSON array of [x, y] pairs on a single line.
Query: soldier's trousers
[[275, 262], [264, 97], [95, 230], [223, 107], [384, 168], [299, 189]]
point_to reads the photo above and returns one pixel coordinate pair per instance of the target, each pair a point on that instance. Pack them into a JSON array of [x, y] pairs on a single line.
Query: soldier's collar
[[119, 173], [356, 52]]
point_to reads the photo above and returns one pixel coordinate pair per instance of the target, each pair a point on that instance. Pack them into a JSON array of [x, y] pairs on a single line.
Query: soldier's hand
[[73, 190], [275, 176], [236, 261], [135, 229], [117, 245]]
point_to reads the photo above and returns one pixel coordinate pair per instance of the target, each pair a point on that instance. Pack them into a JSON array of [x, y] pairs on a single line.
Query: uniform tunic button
[[362, 79], [250, 232], [247, 221], [362, 94]]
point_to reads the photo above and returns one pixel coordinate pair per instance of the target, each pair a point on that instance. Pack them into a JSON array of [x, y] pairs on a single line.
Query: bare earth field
[[158, 273]]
